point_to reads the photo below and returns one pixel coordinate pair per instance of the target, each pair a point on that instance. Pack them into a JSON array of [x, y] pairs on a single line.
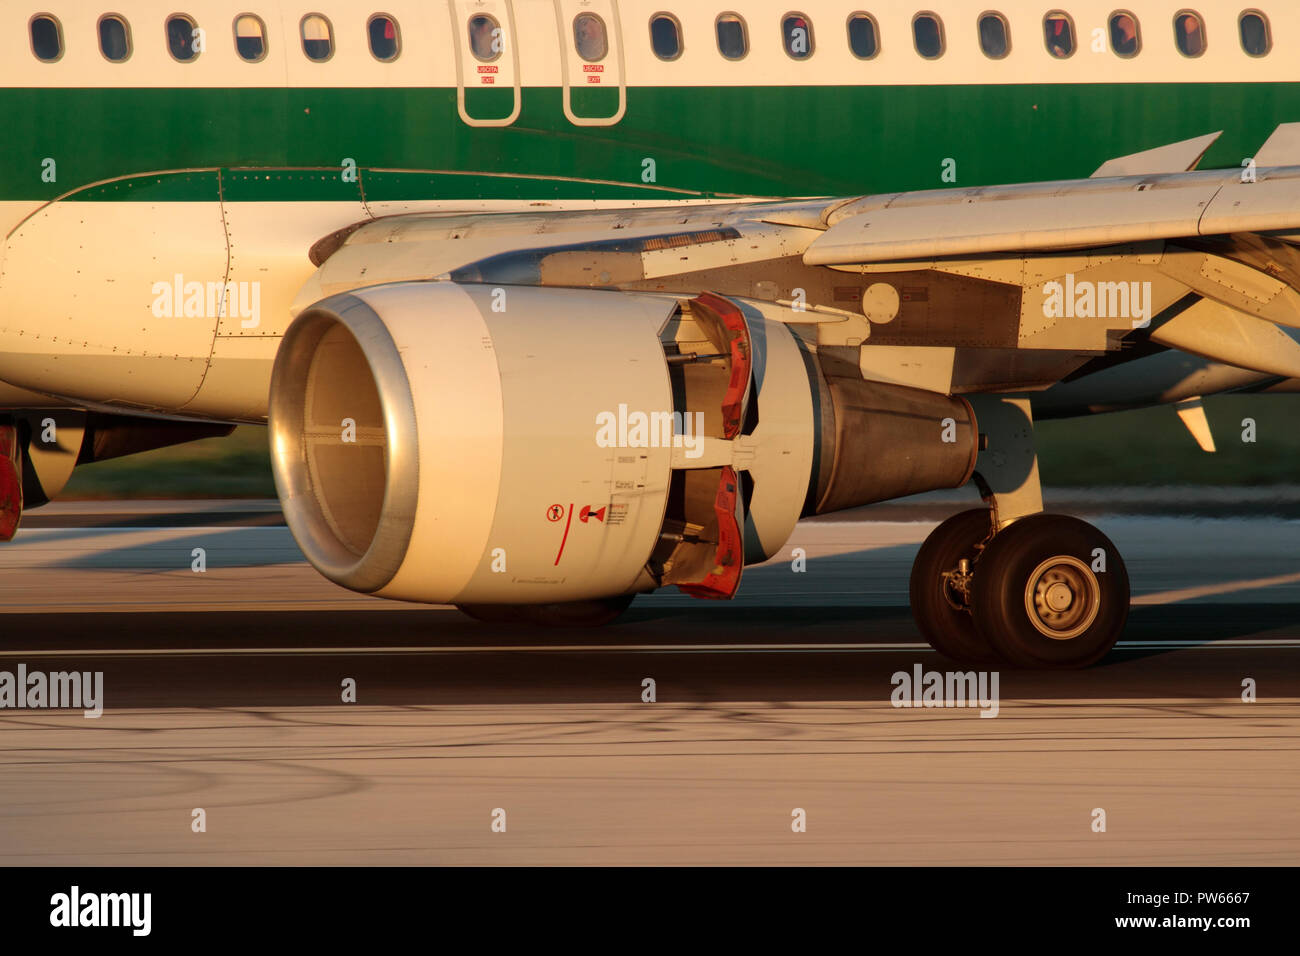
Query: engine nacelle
[[481, 445]]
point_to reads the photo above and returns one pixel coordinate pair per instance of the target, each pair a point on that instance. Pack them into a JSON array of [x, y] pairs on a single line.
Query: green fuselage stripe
[[758, 141]]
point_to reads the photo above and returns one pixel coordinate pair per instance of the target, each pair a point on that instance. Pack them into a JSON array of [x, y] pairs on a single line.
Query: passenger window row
[[186, 39], [993, 31]]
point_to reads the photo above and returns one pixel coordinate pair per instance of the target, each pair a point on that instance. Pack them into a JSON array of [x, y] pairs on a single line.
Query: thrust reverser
[[484, 445]]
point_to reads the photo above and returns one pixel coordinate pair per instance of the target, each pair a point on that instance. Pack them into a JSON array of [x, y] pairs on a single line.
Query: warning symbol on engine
[[555, 513], [587, 512]]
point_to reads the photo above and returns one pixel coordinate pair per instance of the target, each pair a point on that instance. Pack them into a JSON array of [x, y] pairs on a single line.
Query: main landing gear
[[1008, 585], [1047, 591]]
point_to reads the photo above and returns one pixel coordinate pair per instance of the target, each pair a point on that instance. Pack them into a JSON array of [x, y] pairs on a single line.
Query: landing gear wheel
[[567, 614], [1050, 591], [938, 604]]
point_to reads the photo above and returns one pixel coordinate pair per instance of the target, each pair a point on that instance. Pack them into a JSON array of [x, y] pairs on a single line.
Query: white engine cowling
[[479, 445]]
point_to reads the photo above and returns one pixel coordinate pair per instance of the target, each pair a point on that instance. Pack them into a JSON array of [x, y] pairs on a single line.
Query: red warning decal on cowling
[[568, 521]]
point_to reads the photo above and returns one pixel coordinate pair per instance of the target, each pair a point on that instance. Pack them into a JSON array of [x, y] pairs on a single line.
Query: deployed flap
[[1192, 413], [1282, 148], [1173, 158], [1234, 284], [1221, 334]]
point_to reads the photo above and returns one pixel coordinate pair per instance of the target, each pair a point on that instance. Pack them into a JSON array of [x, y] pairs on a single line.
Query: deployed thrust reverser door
[[487, 62], [710, 361], [591, 61]]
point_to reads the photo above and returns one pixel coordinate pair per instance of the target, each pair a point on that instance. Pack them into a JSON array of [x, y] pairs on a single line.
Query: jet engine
[[484, 446]]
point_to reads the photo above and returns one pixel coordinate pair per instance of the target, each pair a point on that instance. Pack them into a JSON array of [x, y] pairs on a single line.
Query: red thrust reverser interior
[[11, 482], [702, 542], [722, 580], [724, 324]]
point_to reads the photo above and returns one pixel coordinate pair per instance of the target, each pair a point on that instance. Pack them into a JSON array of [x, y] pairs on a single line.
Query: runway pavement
[[222, 691]]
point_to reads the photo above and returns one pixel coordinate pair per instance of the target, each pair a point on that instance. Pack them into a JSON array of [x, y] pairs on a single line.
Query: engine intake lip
[[288, 425]]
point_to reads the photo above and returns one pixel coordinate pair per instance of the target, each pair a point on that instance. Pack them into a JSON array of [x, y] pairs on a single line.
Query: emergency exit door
[[591, 61], [487, 62]]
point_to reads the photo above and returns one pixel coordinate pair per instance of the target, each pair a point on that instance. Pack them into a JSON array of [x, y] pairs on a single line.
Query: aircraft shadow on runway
[[788, 637]]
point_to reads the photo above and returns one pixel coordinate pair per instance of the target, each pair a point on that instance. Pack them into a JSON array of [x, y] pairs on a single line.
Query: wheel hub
[[1062, 597], [1058, 597]]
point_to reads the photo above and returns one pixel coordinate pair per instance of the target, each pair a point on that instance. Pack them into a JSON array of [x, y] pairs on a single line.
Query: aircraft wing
[[1077, 215], [1131, 199]]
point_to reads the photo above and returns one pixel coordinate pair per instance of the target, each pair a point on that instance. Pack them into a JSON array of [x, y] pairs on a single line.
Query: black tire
[[1037, 600], [567, 614], [950, 630]]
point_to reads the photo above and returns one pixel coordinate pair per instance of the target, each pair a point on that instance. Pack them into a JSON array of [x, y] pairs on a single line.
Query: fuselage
[[767, 124]]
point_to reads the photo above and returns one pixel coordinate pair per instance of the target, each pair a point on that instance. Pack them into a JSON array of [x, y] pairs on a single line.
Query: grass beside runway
[[1143, 447], [1150, 446]]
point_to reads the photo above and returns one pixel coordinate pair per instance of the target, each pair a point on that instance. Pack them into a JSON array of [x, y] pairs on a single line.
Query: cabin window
[[665, 36], [114, 38], [863, 42], [796, 35], [181, 33], [317, 38], [1256, 38], [733, 43], [47, 38], [927, 32], [485, 37], [589, 37], [995, 36], [1189, 33], [385, 42], [250, 37], [1125, 39], [1058, 33]]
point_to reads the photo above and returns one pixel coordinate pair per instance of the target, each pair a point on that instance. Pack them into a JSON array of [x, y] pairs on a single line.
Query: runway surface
[[222, 691]]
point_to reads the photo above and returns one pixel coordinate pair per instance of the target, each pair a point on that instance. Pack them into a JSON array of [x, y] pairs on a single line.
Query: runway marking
[[467, 649], [597, 648], [1205, 590]]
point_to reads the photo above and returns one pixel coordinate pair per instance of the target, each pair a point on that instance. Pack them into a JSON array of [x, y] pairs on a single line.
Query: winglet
[[1173, 158], [1282, 148], [1192, 412]]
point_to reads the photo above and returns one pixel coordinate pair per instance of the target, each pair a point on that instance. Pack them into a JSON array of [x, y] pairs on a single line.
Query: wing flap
[[1192, 413], [1221, 334]]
